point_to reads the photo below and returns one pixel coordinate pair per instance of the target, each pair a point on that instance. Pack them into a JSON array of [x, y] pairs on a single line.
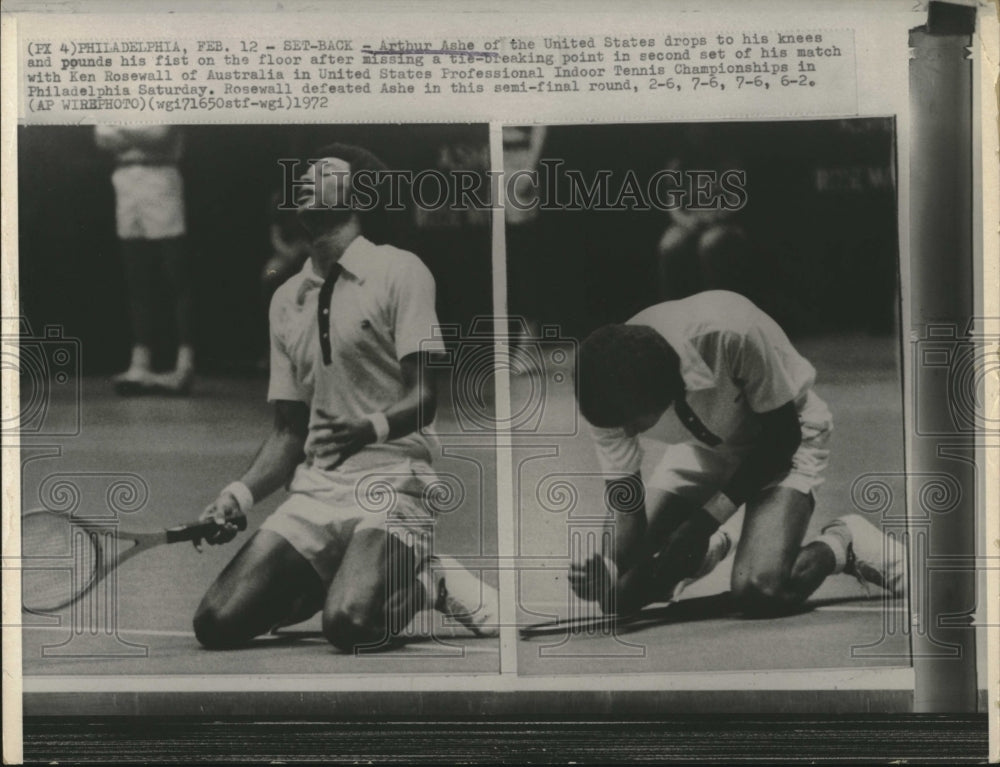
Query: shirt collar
[[352, 261], [355, 258]]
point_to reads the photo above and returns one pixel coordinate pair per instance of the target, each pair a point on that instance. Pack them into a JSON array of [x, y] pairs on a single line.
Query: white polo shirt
[[736, 362], [381, 310]]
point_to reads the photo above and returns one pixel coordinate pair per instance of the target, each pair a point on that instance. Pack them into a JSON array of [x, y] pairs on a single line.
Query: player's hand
[[229, 519], [592, 580], [336, 438]]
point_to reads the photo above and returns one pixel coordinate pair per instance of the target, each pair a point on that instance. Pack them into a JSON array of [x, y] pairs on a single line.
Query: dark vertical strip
[[323, 311], [942, 305]]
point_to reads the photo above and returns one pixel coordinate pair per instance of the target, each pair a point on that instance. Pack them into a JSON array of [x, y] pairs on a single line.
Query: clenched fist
[[229, 519]]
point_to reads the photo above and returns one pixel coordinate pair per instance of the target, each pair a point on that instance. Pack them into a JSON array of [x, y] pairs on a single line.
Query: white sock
[[142, 358], [185, 359]]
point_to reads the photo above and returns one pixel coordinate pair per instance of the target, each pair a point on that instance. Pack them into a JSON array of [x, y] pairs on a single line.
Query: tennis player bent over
[[757, 435], [349, 335]]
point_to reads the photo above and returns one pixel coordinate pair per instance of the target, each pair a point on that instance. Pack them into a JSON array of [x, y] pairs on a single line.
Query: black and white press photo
[[245, 342], [560, 382], [716, 481]]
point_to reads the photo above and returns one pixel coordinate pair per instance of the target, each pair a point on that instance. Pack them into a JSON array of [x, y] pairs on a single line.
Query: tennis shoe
[[132, 382], [137, 378], [464, 597], [176, 383], [872, 556]]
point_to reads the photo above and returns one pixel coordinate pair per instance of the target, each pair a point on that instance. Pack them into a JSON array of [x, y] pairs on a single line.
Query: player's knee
[[760, 593], [216, 629], [348, 628]]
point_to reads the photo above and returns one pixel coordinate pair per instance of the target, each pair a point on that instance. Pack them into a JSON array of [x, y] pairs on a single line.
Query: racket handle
[[196, 531]]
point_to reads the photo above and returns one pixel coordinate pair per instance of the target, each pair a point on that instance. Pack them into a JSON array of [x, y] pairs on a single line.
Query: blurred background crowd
[[815, 244]]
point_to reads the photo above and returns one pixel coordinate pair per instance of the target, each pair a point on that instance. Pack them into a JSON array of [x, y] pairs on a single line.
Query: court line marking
[[872, 606], [859, 608], [145, 632], [276, 637], [190, 634], [838, 679], [428, 649]]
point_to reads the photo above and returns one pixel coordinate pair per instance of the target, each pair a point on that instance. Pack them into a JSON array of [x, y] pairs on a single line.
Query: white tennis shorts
[[697, 472], [326, 508], [149, 202]]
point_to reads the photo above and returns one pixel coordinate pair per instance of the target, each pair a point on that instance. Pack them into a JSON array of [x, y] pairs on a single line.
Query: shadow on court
[[706, 608]]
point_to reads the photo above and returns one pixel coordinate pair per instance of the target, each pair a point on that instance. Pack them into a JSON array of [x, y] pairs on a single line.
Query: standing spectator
[[150, 223]]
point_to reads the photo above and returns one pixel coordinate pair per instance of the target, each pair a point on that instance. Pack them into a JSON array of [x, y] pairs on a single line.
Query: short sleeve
[[283, 384], [769, 368], [618, 454], [415, 325]]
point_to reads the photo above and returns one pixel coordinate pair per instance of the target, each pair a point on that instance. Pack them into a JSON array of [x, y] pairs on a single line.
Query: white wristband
[[381, 424], [721, 508], [242, 494]]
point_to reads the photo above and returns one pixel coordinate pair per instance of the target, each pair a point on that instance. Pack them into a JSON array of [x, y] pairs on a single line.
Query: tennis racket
[[65, 558], [697, 608], [582, 624]]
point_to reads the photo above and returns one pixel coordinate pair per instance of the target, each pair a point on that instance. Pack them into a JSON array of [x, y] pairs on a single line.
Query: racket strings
[[72, 557]]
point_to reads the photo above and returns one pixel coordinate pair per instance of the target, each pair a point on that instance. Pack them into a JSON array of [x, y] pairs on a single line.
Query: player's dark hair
[[625, 371], [374, 220]]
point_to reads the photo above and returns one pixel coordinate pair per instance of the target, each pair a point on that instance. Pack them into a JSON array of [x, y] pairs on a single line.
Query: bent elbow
[[780, 440], [789, 440], [782, 431]]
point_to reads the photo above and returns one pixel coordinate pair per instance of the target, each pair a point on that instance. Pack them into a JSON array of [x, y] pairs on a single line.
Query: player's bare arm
[[270, 469], [625, 499], [626, 502], [769, 458], [622, 580], [780, 436]]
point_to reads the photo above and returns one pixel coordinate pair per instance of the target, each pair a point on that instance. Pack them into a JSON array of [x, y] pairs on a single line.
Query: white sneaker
[[139, 374], [177, 382], [872, 557], [719, 546], [462, 596]]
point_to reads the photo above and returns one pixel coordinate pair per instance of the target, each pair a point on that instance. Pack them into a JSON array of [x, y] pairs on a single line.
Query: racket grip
[[197, 531]]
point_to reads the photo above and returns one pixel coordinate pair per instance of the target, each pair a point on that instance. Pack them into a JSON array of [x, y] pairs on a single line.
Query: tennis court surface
[[841, 627], [186, 450]]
